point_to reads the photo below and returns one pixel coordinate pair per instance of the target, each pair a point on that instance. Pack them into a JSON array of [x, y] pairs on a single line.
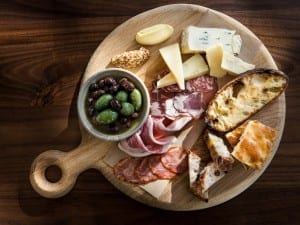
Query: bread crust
[[212, 117]]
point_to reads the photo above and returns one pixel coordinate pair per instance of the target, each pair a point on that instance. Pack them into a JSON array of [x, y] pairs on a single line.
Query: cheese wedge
[[214, 57], [193, 67], [172, 57], [198, 39], [234, 65]]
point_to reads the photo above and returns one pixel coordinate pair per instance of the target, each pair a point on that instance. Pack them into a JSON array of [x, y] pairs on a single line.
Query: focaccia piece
[[242, 97], [219, 152], [255, 144], [233, 136]]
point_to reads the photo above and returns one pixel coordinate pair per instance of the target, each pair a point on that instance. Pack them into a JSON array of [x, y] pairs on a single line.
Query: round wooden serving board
[[90, 153]]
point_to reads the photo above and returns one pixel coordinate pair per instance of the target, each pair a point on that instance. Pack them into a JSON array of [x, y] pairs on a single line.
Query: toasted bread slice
[[255, 144], [219, 152], [242, 97]]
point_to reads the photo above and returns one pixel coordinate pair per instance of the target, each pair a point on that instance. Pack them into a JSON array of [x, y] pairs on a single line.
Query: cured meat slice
[[144, 142], [125, 169], [158, 168], [143, 172], [173, 102], [175, 159], [189, 103], [148, 134], [163, 125]]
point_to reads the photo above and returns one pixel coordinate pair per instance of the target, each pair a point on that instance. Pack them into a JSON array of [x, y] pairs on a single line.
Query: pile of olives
[[113, 104]]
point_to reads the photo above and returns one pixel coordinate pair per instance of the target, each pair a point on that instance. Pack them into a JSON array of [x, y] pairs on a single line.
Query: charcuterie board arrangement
[[217, 111]]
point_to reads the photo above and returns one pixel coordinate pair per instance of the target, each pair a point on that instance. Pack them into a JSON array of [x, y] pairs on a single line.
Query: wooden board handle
[[72, 163]]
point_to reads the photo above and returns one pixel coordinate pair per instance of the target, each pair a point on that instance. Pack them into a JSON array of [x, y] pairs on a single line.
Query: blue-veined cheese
[[198, 39]]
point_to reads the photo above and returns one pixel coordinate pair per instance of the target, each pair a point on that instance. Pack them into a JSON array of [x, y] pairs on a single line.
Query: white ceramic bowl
[[116, 73]]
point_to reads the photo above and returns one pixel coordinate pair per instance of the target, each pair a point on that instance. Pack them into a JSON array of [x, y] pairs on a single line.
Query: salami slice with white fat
[[125, 169], [143, 172], [175, 160], [158, 168]]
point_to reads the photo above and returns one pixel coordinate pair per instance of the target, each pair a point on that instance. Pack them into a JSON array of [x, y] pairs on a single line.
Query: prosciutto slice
[[144, 142]]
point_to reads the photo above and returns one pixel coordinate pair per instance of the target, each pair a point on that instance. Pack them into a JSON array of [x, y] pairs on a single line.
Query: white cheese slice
[[193, 67], [234, 65], [214, 57], [198, 39], [172, 57]]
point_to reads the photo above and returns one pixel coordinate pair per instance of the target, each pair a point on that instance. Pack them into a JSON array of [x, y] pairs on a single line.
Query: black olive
[[115, 104], [113, 127], [90, 101], [126, 84], [91, 111], [94, 87], [109, 81], [134, 115], [123, 120], [113, 89], [98, 93], [101, 83], [128, 124]]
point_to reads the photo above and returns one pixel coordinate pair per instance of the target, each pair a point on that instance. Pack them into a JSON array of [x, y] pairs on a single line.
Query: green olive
[[127, 109], [122, 96], [107, 116], [103, 102], [136, 99]]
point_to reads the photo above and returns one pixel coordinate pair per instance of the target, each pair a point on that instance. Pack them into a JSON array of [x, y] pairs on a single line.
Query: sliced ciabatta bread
[[242, 97], [219, 152]]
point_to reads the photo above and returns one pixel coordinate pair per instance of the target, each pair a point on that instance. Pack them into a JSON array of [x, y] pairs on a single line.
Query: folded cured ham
[[154, 137]]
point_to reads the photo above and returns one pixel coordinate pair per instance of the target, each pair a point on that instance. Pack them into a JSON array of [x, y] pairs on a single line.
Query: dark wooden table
[[44, 49]]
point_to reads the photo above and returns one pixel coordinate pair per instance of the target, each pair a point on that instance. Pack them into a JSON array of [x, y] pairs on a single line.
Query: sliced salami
[[143, 172], [158, 169], [125, 169], [175, 160]]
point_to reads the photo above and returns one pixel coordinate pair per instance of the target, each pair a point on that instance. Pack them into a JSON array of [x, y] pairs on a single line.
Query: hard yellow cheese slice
[[214, 57], [172, 57], [193, 67]]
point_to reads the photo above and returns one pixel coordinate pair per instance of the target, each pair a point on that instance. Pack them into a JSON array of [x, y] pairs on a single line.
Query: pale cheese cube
[[214, 57]]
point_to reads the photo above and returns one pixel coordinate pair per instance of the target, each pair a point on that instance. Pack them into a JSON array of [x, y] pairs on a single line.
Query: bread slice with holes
[[242, 97], [219, 152]]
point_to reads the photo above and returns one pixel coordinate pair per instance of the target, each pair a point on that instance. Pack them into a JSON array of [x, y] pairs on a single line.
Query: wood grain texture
[[44, 49]]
